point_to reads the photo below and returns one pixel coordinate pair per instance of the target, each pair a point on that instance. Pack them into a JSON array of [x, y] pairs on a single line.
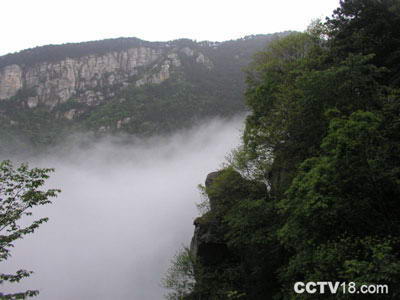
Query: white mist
[[123, 213]]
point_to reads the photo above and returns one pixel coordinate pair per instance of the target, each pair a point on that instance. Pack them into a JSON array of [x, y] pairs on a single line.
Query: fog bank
[[123, 212]]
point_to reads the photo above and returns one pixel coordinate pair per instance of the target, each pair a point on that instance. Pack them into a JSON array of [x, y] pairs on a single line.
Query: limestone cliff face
[[10, 81], [92, 79]]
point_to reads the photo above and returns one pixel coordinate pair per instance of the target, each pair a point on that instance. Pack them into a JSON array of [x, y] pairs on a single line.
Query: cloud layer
[[125, 209]]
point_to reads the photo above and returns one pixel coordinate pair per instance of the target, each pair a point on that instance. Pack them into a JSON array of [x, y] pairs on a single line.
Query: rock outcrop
[[207, 243], [210, 245], [222, 245], [10, 81], [92, 79]]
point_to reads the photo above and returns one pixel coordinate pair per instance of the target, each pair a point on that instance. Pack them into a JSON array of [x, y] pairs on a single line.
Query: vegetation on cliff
[[204, 81], [313, 192]]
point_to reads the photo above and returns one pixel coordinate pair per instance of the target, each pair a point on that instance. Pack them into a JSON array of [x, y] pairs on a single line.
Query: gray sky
[[26, 24]]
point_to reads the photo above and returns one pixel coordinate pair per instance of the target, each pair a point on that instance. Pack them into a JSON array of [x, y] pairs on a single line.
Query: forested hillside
[[123, 85], [313, 193]]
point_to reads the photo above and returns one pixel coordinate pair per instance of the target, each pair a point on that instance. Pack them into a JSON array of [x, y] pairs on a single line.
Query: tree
[[342, 208], [179, 278], [20, 191], [323, 135], [368, 27]]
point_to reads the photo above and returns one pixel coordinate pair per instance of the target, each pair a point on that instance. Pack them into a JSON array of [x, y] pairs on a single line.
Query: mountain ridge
[[123, 84], [112, 44]]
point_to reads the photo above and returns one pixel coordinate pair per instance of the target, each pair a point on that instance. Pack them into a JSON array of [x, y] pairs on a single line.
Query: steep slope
[[121, 85], [313, 192]]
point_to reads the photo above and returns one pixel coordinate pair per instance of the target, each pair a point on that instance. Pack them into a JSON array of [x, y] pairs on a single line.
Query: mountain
[[121, 85]]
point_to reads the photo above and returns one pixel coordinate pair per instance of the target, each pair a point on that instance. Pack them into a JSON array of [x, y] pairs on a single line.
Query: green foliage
[[20, 191], [240, 217], [30, 129], [336, 197], [243, 207], [204, 206], [24, 94], [68, 105], [369, 260], [323, 140], [289, 93], [154, 109], [322, 196], [368, 27], [178, 102], [180, 276]]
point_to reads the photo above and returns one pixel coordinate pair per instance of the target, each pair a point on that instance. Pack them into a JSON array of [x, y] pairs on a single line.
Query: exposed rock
[[56, 82], [90, 79], [124, 121], [201, 59], [69, 115], [174, 59], [10, 81], [209, 180], [32, 102], [103, 129], [211, 177], [95, 72], [207, 243], [163, 74], [187, 51], [157, 77]]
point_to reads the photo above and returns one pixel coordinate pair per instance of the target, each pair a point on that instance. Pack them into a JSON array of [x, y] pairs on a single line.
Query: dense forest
[[313, 192]]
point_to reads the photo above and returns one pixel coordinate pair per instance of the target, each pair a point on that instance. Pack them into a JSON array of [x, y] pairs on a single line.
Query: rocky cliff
[[208, 244], [93, 78], [225, 240], [120, 85]]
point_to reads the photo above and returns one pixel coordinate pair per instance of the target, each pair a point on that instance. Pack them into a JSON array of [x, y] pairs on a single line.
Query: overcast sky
[[25, 23]]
